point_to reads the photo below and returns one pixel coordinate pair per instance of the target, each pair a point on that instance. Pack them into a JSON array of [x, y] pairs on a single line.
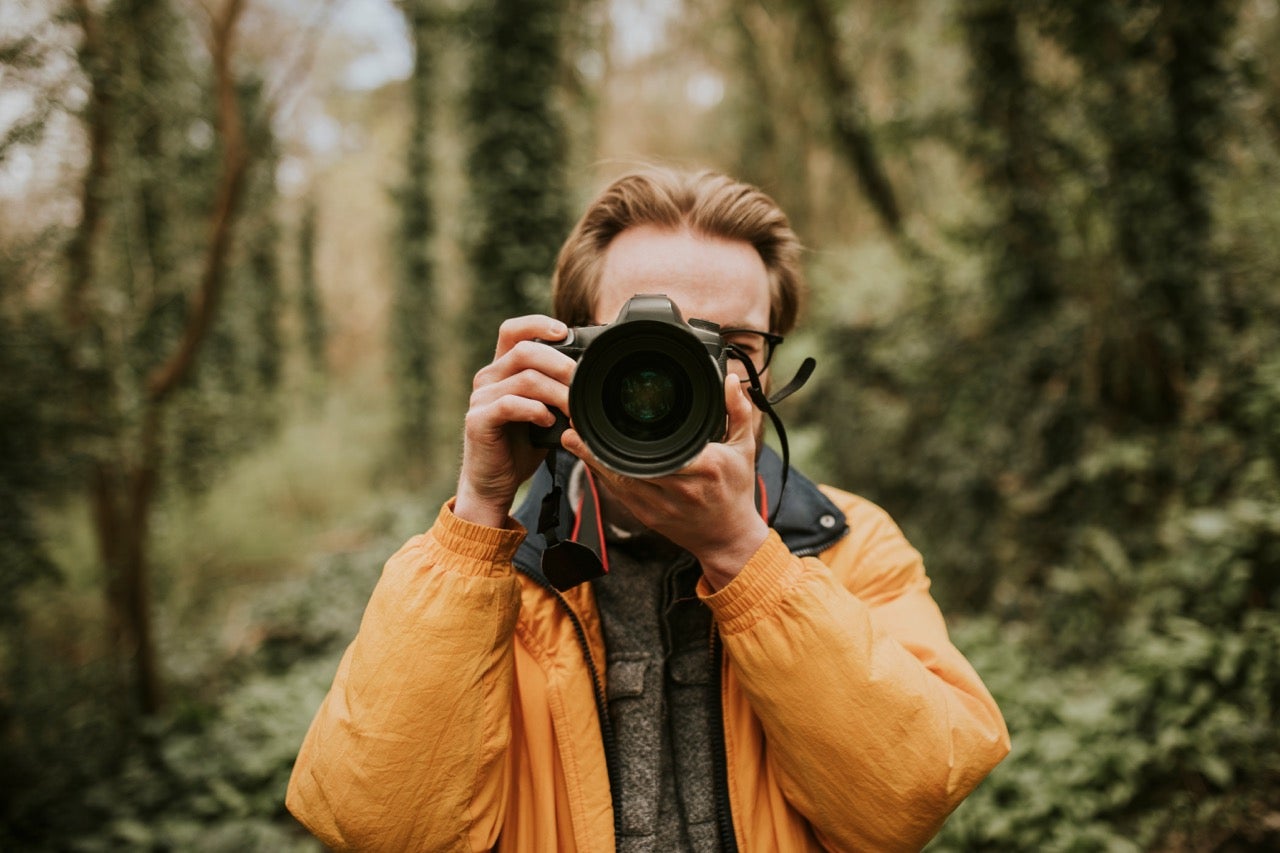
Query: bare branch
[[853, 135], [203, 305]]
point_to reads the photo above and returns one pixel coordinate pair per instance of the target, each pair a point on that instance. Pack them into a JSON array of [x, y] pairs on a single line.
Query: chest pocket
[[626, 676]]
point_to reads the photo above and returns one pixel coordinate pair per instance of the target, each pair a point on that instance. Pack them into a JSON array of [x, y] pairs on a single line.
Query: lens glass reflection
[[645, 396]]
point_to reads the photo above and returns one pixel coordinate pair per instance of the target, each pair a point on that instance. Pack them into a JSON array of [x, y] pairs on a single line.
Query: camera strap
[[565, 563], [764, 403]]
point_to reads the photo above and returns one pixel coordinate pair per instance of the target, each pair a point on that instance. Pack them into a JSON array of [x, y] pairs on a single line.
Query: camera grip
[[549, 437]]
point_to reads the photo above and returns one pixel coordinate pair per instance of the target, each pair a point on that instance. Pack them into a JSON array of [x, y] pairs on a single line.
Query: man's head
[[704, 204]]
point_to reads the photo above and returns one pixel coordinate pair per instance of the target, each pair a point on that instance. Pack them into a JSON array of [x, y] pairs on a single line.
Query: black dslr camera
[[648, 393]]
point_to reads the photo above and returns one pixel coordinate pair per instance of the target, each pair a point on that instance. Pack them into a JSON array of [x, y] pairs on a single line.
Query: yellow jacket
[[466, 711]]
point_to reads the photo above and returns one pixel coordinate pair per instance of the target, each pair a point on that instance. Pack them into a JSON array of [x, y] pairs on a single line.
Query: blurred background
[[251, 252]]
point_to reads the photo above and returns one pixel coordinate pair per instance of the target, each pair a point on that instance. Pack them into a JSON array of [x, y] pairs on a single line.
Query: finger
[[489, 420], [528, 327], [571, 441], [528, 384], [527, 355]]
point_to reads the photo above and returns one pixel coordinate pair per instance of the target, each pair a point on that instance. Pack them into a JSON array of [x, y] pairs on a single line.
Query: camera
[[648, 392]]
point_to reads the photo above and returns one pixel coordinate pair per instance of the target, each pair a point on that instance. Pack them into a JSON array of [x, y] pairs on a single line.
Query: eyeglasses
[[754, 344]]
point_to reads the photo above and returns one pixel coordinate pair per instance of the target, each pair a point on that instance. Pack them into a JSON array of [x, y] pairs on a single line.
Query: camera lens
[[647, 397], [644, 395]]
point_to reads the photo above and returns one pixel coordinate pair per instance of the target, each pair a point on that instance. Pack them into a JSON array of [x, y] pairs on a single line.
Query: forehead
[[711, 278]]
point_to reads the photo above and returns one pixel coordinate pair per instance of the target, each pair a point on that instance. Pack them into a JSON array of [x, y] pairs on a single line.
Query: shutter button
[[828, 521]]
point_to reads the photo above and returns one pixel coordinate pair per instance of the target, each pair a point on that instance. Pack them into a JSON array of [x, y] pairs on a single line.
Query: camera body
[[648, 392]]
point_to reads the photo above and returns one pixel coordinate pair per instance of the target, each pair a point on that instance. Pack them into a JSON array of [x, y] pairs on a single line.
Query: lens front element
[[645, 396]]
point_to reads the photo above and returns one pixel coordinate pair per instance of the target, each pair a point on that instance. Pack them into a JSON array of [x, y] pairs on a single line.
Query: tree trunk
[[848, 116], [1009, 157], [136, 576], [82, 246], [413, 353], [122, 501]]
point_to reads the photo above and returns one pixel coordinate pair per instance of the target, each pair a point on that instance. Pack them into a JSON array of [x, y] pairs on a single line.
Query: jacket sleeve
[[875, 723], [406, 751]]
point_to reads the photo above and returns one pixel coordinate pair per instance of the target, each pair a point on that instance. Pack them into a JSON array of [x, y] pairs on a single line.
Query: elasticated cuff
[[492, 547], [757, 589]]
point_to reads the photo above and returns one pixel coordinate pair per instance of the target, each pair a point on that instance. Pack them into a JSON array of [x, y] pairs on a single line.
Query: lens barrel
[[647, 396]]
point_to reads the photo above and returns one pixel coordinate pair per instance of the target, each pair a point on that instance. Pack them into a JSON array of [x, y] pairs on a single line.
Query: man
[[729, 684]]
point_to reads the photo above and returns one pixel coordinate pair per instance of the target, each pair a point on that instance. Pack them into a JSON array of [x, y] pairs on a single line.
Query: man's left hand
[[708, 507]]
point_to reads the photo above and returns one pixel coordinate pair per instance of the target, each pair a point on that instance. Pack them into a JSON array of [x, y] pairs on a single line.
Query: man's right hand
[[508, 394]]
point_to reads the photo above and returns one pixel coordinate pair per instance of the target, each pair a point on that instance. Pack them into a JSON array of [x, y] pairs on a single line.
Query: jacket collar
[[807, 521]]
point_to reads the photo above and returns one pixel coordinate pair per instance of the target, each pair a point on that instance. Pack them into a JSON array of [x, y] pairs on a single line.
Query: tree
[[413, 335], [1010, 146], [128, 384], [850, 126], [516, 163], [310, 305]]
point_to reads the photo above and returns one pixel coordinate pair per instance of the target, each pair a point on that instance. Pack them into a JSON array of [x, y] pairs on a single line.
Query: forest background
[[251, 250]]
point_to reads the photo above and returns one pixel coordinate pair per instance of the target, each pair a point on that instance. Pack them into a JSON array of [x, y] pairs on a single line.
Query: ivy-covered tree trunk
[[122, 495], [516, 163], [314, 329], [1157, 105], [1196, 72], [1008, 151], [416, 334], [772, 154], [266, 302]]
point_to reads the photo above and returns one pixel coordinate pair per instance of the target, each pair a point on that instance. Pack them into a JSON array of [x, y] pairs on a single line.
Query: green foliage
[[210, 773], [59, 738], [1167, 738], [516, 163], [212, 778], [34, 433], [1068, 393], [1083, 445], [36, 429]]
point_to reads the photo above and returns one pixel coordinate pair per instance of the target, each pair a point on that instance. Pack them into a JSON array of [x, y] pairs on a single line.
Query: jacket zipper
[[719, 756], [602, 708]]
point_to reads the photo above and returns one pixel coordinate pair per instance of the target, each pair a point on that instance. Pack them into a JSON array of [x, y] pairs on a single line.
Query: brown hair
[[708, 203]]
